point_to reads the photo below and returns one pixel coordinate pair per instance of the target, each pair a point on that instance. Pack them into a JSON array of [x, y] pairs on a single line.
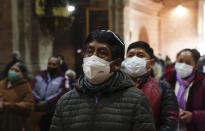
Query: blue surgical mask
[[13, 76]]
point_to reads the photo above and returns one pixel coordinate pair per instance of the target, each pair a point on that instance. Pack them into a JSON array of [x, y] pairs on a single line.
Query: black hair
[[23, 69], [143, 45], [112, 39], [196, 55]]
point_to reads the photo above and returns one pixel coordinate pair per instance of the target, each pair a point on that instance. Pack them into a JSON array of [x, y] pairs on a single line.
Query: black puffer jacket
[[121, 107]]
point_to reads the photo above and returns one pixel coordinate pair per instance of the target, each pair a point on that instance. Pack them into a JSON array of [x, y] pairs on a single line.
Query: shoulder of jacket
[[164, 85], [3, 81], [203, 82], [167, 90], [134, 92], [68, 96]]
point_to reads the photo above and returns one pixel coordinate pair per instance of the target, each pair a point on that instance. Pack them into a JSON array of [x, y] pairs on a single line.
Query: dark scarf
[[96, 89], [141, 80]]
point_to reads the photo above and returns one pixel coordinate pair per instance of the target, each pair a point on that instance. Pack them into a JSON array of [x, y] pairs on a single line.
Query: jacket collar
[[198, 79], [121, 81], [44, 74], [23, 81]]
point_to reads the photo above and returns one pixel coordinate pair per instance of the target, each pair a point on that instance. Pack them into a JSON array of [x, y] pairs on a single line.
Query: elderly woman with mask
[[189, 86], [16, 100]]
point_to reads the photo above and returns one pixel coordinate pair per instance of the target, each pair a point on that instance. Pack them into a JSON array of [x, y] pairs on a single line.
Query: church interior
[[41, 28]]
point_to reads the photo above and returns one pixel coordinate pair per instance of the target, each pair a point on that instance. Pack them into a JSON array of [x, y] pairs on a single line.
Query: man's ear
[[152, 62], [115, 65]]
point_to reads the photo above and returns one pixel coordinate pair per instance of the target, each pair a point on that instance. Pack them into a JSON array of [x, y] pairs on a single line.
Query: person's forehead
[[53, 60], [96, 44], [137, 49], [185, 53], [15, 67]]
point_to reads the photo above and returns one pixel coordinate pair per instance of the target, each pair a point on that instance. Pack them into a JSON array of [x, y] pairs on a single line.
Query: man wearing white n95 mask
[[138, 64], [104, 98]]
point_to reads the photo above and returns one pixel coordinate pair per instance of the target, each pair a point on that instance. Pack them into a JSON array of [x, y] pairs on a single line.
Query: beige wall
[[150, 23], [142, 17], [178, 28], [169, 30]]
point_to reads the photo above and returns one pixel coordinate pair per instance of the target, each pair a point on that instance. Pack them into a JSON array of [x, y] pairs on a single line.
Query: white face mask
[[96, 69], [135, 66], [203, 69], [183, 70]]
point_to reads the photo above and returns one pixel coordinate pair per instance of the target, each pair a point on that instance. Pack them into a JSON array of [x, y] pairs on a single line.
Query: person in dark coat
[[138, 64], [189, 86], [104, 98]]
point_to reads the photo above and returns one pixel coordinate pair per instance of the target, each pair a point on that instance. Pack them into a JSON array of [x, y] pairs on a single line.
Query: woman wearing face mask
[[16, 102], [189, 87], [138, 64]]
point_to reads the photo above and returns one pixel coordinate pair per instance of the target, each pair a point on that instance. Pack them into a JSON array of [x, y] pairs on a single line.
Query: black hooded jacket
[[116, 105]]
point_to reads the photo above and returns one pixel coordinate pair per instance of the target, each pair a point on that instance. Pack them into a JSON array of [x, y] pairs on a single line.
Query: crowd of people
[[136, 92]]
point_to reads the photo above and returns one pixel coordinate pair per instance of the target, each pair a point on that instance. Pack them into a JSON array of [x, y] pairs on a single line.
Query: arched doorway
[[143, 35]]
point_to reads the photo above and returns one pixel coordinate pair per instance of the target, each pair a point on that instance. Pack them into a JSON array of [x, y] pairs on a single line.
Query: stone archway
[[143, 35]]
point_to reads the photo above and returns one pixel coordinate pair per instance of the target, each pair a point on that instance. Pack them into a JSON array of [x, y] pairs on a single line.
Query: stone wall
[[5, 33]]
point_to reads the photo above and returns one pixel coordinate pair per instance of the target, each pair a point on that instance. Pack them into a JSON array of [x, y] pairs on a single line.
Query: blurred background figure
[[161, 62], [168, 61], [189, 86], [16, 101], [48, 86], [70, 77], [201, 64], [63, 65], [15, 58], [157, 69]]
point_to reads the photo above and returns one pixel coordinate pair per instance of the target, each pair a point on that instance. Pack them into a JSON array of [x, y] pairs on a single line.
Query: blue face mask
[[13, 76]]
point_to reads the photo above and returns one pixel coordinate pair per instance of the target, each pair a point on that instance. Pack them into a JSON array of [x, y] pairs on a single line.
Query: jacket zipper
[[94, 112], [96, 99]]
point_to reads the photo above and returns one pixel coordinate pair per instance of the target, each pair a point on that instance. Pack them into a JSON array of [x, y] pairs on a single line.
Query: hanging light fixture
[[180, 8], [180, 4], [70, 8], [54, 16]]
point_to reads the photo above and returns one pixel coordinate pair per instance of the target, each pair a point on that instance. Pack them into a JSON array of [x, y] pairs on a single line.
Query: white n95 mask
[[203, 69], [135, 66], [183, 70], [96, 69]]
